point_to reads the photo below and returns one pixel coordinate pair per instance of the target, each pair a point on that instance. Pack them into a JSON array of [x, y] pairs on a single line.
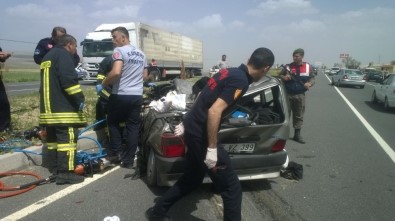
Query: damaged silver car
[[254, 132]]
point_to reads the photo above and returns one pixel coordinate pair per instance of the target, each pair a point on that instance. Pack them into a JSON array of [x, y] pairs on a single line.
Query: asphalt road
[[31, 87], [348, 175]]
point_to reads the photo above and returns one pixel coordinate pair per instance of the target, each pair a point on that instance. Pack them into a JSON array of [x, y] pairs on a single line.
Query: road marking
[[21, 84], [58, 195], [384, 145], [24, 90]]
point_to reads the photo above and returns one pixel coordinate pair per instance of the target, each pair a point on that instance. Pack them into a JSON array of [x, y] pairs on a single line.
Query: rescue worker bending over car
[[205, 154]]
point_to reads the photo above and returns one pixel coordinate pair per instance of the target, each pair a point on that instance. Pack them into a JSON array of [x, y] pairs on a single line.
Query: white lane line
[[384, 145], [16, 85], [33, 89], [58, 195]]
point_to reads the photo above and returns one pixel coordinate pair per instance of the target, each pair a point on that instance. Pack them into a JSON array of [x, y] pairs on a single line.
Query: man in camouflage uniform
[[298, 77]]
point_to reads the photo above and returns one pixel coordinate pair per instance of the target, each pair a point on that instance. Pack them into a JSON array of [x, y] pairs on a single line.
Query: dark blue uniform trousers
[[224, 179], [5, 110], [124, 109]]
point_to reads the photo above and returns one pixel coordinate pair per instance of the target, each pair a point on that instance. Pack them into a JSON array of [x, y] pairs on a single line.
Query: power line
[[27, 42]]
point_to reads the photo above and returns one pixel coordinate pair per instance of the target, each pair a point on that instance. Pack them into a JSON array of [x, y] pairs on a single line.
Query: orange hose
[[16, 190]]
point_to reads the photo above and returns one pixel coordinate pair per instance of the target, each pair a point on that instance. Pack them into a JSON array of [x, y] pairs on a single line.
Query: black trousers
[[224, 179], [101, 112], [5, 109], [61, 142], [124, 108]]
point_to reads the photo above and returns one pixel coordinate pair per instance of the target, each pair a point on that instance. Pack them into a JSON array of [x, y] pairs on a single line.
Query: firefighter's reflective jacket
[[60, 92], [104, 68]]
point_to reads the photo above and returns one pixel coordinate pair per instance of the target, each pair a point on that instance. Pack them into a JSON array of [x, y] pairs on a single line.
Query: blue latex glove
[[150, 84], [99, 88], [82, 105]]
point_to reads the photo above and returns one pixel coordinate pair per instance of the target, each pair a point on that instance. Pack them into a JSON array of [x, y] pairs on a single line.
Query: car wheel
[[333, 82], [362, 86], [151, 170], [386, 105]]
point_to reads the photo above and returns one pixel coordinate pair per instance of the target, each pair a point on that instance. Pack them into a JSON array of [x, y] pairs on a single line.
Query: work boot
[[68, 178], [151, 215], [297, 137]]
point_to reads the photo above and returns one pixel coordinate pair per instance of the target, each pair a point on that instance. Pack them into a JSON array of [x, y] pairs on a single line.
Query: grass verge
[[25, 109], [21, 75]]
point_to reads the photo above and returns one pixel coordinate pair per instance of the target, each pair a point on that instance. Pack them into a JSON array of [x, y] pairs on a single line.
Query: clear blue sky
[[362, 28]]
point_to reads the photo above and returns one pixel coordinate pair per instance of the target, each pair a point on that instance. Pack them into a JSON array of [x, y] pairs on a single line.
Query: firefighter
[[61, 109], [101, 129], [101, 106]]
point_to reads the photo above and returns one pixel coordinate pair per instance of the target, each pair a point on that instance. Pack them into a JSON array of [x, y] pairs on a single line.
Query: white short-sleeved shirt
[[134, 62]]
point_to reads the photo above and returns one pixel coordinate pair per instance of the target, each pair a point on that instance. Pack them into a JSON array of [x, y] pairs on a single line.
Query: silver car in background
[[385, 92], [333, 70], [349, 77]]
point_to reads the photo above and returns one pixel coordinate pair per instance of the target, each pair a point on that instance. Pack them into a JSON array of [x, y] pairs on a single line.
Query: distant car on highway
[[385, 92], [349, 77], [374, 76], [334, 70], [327, 71]]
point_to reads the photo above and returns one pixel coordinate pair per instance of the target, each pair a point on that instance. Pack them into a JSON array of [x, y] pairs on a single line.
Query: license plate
[[239, 147], [354, 78]]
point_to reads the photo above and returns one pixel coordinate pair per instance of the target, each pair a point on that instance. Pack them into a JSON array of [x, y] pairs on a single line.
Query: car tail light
[[345, 77], [278, 146], [172, 145]]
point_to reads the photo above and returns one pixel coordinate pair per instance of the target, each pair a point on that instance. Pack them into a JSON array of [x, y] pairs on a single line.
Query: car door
[[389, 89], [383, 88]]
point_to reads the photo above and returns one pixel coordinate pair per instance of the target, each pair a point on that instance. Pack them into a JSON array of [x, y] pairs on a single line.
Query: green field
[[25, 109], [20, 75]]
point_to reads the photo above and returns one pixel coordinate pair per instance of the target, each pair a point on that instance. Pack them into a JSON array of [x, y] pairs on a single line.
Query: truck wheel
[[152, 173]]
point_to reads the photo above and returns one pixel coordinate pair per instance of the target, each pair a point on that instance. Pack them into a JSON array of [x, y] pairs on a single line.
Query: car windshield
[[353, 72]]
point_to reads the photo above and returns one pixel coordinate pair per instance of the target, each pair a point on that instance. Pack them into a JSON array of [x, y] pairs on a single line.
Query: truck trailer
[[164, 50]]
